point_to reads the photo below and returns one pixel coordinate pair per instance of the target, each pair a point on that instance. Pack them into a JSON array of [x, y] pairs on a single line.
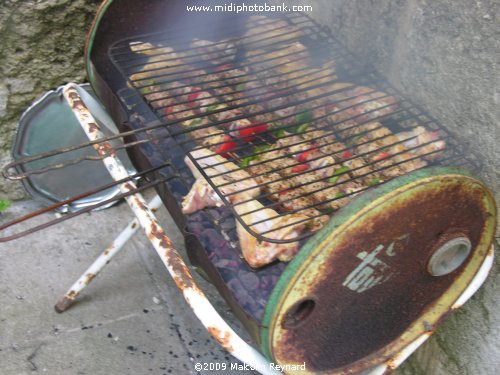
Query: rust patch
[[354, 320], [130, 187], [181, 275], [142, 206], [77, 104], [76, 101], [106, 252], [89, 277], [72, 94], [93, 127], [72, 294], [134, 225], [389, 370], [158, 233], [223, 337], [105, 149]]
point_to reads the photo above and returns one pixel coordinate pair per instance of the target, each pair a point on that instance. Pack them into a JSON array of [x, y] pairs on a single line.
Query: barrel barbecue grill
[[402, 250]]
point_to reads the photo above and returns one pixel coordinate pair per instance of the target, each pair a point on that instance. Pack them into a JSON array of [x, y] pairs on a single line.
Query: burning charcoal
[[195, 228], [236, 286], [196, 217], [240, 292], [226, 222], [225, 212], [177, 196], [214, 238], [178, 187], [226, 263], [215, 214], [249, 279]]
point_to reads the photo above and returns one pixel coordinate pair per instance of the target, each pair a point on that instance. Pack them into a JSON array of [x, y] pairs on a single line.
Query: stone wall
[[41, 47]]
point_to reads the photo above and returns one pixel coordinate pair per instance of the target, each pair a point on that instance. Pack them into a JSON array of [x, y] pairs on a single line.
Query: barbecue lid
[[49, 124], [383, 273]]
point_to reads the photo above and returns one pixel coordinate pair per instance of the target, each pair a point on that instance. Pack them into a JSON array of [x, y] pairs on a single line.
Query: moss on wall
[[42, 46]]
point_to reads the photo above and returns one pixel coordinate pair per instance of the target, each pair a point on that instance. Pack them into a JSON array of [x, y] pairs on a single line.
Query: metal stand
[[174, 263], [102, 261], [194, 296]]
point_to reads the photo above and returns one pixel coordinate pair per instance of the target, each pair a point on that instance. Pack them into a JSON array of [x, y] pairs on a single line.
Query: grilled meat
[[282, 60], [240, 188], [161, 62], [220, 52], [272, 225], [281, 190], [425, 143], [227, 176], [317, 141], [266, 32], [359, 105]]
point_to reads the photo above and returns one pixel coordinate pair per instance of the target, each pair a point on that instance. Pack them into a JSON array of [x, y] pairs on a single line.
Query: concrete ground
[[133, 320], [130, 320]]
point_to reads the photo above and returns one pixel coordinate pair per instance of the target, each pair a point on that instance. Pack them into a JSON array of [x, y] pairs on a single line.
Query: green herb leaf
[[340, 170], [353, 140], [261, 148], [212, 108], [334, 179], [196, 122], [240, 87], [148, 89], [329, 210], [4, 204], [374, 182], [279, 133], [304, 117], [302, 128], [339, 195], [246, 161], [336, 174]]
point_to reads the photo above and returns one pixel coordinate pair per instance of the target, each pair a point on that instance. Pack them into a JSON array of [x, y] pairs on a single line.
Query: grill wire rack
[[155, 76]]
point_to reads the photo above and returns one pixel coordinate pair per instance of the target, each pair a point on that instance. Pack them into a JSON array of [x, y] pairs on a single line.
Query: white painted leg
[[102, 261], [173, 262]]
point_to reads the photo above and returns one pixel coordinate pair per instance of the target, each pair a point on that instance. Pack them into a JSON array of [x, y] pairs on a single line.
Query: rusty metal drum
[[385, 271], [367, 289]]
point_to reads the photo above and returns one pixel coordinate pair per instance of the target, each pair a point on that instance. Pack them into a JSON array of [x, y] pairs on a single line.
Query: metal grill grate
[[301, 130], [205, 101]]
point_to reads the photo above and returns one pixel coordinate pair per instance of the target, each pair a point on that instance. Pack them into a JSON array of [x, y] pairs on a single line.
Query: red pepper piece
[[168, 110], [300, 168], [192, 96], [225, 147], [247, 134], [303, 156], [284, 192], [381, 156], [347, 154]]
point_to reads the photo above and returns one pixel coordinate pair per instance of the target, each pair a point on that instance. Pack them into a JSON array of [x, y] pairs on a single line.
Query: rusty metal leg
[[102, 261], [173, 262]]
